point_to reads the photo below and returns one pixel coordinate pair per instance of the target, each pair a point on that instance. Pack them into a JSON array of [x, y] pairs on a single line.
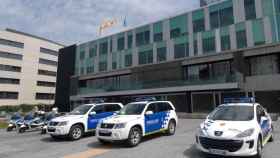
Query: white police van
[[82, 119], [240, 127], [138, 119]]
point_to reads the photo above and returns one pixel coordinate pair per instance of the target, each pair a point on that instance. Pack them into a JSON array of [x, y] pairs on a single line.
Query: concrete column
[[249, 34], [218, 40], [96, 65], [199, 44], [191, 48], [267, 30], [170, 50], [125, 40], [109, 62], [135, 57], [166, 30], [133, 38], [259, 10], [154, 53], [190, 24], [238, 10], [233, 44], [207, 19], [151, 33]]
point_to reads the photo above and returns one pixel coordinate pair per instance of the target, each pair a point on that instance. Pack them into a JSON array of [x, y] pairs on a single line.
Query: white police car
[[136, 120], [82, 119], [235, 129]]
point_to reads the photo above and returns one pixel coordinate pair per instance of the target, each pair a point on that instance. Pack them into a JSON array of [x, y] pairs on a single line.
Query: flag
[[124, 22], [106, 24]]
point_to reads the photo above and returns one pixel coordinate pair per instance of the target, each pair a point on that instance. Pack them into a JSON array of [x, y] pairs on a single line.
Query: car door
[[93, 119], [153, 121]]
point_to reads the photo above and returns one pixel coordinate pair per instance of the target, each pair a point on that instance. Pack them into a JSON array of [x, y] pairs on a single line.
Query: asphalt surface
[[181, 145]]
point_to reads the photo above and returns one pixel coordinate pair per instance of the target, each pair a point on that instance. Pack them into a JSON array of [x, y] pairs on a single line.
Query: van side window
[[98, 109], [152, 107], [164, 107], [112, 107]]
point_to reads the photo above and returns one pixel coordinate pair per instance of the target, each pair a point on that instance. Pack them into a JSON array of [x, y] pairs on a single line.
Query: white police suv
[[136, 120], [82, 119], [237, 128]]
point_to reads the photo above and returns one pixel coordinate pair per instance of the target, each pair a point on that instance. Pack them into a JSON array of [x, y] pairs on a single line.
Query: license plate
[[217, 152], [104, 131]]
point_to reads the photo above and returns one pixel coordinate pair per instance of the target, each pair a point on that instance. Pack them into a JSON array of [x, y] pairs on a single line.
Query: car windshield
[[80, 110], [233, 113], [132, 109]]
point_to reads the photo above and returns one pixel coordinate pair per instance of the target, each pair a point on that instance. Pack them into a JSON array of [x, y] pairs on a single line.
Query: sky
[[77, 21]]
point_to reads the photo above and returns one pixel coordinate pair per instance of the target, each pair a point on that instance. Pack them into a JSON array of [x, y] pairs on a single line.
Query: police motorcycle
[[13, 121], [32, 122], [48, 118]]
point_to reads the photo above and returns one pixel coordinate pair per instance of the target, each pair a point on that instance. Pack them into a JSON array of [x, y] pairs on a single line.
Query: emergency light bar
[[145, 99], [240, 100], [97, 101]]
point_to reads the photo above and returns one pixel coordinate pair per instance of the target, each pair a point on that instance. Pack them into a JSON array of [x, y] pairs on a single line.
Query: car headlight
[[246, 133], [120, 125], [201, 132], [63, 123]]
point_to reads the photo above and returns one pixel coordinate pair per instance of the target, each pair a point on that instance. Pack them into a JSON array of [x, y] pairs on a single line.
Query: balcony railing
[[136, 85]]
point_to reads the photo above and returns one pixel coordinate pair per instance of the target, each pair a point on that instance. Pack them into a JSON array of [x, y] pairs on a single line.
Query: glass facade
[[200, 32], [263, 65]]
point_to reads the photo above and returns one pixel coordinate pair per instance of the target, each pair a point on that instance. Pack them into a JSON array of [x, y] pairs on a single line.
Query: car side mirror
[[263, 119], [149, 113], [92, 113]]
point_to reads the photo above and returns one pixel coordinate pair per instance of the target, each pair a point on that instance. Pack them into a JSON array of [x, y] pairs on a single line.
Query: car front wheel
[[259, 149], [76, 132], [171, 128], [134, 137]]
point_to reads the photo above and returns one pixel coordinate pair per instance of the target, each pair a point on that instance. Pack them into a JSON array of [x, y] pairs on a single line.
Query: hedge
[[24, 108]]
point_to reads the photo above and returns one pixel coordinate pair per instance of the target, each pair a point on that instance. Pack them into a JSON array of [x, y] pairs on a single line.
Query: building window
[[10, 55], [45, 84], [258, 32], [82, 55], [198, 25], [47, 73], [11, 43], [93, 51], [111, 45], [142, 38], [10, 68], [47, 62], [48, 51], [158, 37], [129, 41], [181, 50], [225, 42], [128, 60], [114, 65], [264, 65], [8, 95], [103, 48], [82, 71], [103, 66], [90, 69], [161, 54], [9, 81], [178, 26], [222, 17], [241, 39], [145, 57], [250, 9], [121, 44], [208, 45], [44, 96], [195, 48]]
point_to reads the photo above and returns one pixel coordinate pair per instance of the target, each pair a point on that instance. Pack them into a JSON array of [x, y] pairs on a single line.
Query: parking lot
[[32, 144]]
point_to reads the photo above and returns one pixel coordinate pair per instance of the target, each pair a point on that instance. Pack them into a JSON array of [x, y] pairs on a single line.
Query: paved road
[[32, 144]]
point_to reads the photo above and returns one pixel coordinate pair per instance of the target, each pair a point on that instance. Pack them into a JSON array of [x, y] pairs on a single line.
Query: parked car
[[240, 127], [81, 120], [136, 120]]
